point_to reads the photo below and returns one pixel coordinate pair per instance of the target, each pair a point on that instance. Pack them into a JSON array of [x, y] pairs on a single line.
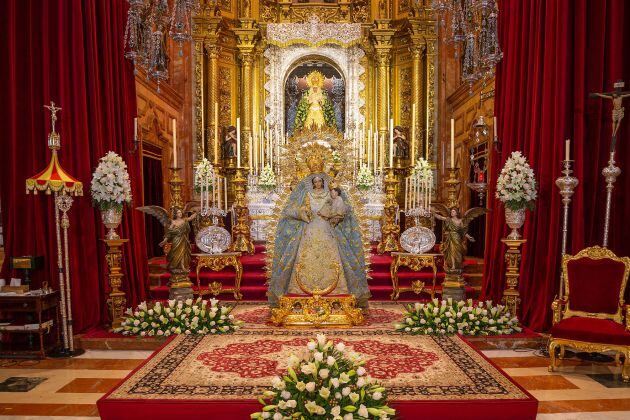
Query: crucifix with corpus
[[617, 97]]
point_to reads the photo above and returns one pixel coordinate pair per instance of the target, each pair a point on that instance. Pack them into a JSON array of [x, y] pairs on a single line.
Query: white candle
[[238, 142], [216, 133], [452, 143], [174, 143], [567, 151], [375, 153], [494, 126], [250, 151], [219, 178], [224, 195], [406, 192], [413, 134], [135, 128], [391, 142]]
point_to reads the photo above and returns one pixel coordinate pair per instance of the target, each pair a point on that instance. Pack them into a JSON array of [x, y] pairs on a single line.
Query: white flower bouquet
[[267, 179], [110, 186], [336, 157], [422, 169], [516, 185], [365, 178], [179, 317], [204, 172], [329, 382], [448, 317]]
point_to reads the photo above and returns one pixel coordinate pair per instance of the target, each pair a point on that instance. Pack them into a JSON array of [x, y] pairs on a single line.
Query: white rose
[[311, 345], [377, 396], [318, 356], [278, 383], [310, 387], [340, 347], [291, 403], [361, 371], [330, 361], [346, 391], [324, 373], [321, 339], [348, 416], [335, 411], [363, 412], [278, 416], [361, 382], [354, 397], [285, 395], [324, 393], [301, 386], [335, 382]]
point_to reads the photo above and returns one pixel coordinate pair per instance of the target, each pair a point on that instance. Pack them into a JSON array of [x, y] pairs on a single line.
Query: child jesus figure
[[334, 209]]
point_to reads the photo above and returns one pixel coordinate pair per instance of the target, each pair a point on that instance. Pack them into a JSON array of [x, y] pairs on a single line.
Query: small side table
[[415, 262], [217, 262]]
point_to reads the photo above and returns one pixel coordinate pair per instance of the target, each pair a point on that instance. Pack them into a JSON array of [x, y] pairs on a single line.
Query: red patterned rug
[[221, 376]]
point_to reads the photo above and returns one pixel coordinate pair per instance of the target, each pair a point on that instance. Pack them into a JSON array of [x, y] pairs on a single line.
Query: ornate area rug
[[226, 374]]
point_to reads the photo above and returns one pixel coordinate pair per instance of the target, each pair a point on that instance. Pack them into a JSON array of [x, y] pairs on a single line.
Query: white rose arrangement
[[422, 169], [110, 186], [179, 317], [204, 173], [328, 382], [365, 178], [448, 317], [516, 185], [267, 179]]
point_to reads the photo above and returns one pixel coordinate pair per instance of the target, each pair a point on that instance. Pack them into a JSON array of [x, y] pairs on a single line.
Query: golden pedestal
[[116, 300], [452, 185], [511, 296], [390, 230], [317, 311], [217, 262]]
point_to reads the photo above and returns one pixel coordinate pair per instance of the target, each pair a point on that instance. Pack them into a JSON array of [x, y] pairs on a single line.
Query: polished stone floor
[[70, 388]]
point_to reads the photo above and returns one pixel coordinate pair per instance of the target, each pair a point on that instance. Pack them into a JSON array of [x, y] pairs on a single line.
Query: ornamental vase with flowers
[[111, 190], [365, 178], [516, 188], [325, 382]]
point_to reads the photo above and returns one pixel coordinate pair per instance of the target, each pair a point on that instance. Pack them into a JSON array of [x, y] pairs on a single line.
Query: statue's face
[[334, 193], [453, 213], [318, 183], [179, 214]]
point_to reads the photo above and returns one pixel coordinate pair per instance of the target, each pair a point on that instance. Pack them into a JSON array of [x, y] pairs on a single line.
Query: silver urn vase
[[515, 220], [111, 219]]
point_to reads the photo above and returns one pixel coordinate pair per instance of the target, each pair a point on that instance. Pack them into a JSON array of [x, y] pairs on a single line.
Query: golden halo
[[315, 79]]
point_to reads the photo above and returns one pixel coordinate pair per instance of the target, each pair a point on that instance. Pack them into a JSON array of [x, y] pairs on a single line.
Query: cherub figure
[[334, 209], [455, 233]]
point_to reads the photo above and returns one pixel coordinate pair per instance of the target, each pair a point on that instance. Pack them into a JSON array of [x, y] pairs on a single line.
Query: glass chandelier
[[472, 26], [148, 23]]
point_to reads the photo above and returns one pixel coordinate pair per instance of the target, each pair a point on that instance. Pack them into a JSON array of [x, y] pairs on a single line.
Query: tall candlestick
[[238, 142], [174, 143], [494, 125], [391, 142], [135, 128], [216, 133], [452, 143], [413, 134], [567, 151]]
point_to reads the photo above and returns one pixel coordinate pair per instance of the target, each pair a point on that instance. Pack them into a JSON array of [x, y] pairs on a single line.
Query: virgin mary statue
[[318, 240]]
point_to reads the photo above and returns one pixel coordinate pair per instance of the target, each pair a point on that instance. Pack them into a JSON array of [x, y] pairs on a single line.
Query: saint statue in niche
[[315, 109], [229, 143], [401, 145]]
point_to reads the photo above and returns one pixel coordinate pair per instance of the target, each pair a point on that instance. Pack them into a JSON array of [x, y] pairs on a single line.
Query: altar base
[[317, 311]]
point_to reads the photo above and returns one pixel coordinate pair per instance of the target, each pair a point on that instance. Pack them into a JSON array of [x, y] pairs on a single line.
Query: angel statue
[[455, 234], [176, 232]]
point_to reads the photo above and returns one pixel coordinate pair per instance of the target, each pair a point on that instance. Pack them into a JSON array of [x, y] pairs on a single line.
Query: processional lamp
[[54, 179]]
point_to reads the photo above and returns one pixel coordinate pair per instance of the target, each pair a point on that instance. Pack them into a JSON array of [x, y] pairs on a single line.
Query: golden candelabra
[[117, 300], [241, 238], [390, 230], [177, 202], [452, 188], [511, 296]]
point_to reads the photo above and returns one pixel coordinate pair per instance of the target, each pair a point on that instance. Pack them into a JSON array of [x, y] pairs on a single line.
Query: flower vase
[[515, 220], [111, 219]]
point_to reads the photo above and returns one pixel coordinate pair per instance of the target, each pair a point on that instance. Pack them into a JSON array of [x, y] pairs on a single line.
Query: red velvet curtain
[[71, 52], [555, 53]]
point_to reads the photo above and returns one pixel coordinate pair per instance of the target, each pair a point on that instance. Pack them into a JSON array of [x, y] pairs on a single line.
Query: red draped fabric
[[71, 52], [555, 53]]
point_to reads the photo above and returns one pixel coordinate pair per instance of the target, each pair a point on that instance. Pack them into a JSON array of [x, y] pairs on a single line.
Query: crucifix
[[53, 110], [617, 97], [612, 171]]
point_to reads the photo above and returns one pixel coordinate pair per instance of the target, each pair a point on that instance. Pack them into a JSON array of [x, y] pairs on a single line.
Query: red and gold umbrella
[[54, 179]]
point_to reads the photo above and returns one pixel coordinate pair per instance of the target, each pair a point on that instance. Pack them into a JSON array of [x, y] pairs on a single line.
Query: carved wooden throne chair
[[590, 317]]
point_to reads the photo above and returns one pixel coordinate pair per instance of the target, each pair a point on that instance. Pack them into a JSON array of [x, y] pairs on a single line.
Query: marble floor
[[57, 389]]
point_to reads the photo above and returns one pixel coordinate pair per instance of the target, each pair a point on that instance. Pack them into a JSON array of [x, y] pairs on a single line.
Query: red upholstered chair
[[590, 317]]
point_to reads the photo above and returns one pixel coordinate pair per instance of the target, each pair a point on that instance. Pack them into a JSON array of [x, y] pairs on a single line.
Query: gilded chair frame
[[562, 309]]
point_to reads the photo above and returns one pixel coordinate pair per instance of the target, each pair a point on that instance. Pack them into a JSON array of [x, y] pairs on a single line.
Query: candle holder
[[390, 230], [452, 188], [241, 235], [567, 185], [610, 172], [175, 183]]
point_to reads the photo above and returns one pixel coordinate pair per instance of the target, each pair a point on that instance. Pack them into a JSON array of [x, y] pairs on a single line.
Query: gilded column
[[212, 49], [382, 35], [417, 48], [198, 105], [246, 42], [429, 95]]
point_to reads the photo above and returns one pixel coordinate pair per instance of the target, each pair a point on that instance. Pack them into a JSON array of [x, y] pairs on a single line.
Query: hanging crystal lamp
[[148, 24]]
